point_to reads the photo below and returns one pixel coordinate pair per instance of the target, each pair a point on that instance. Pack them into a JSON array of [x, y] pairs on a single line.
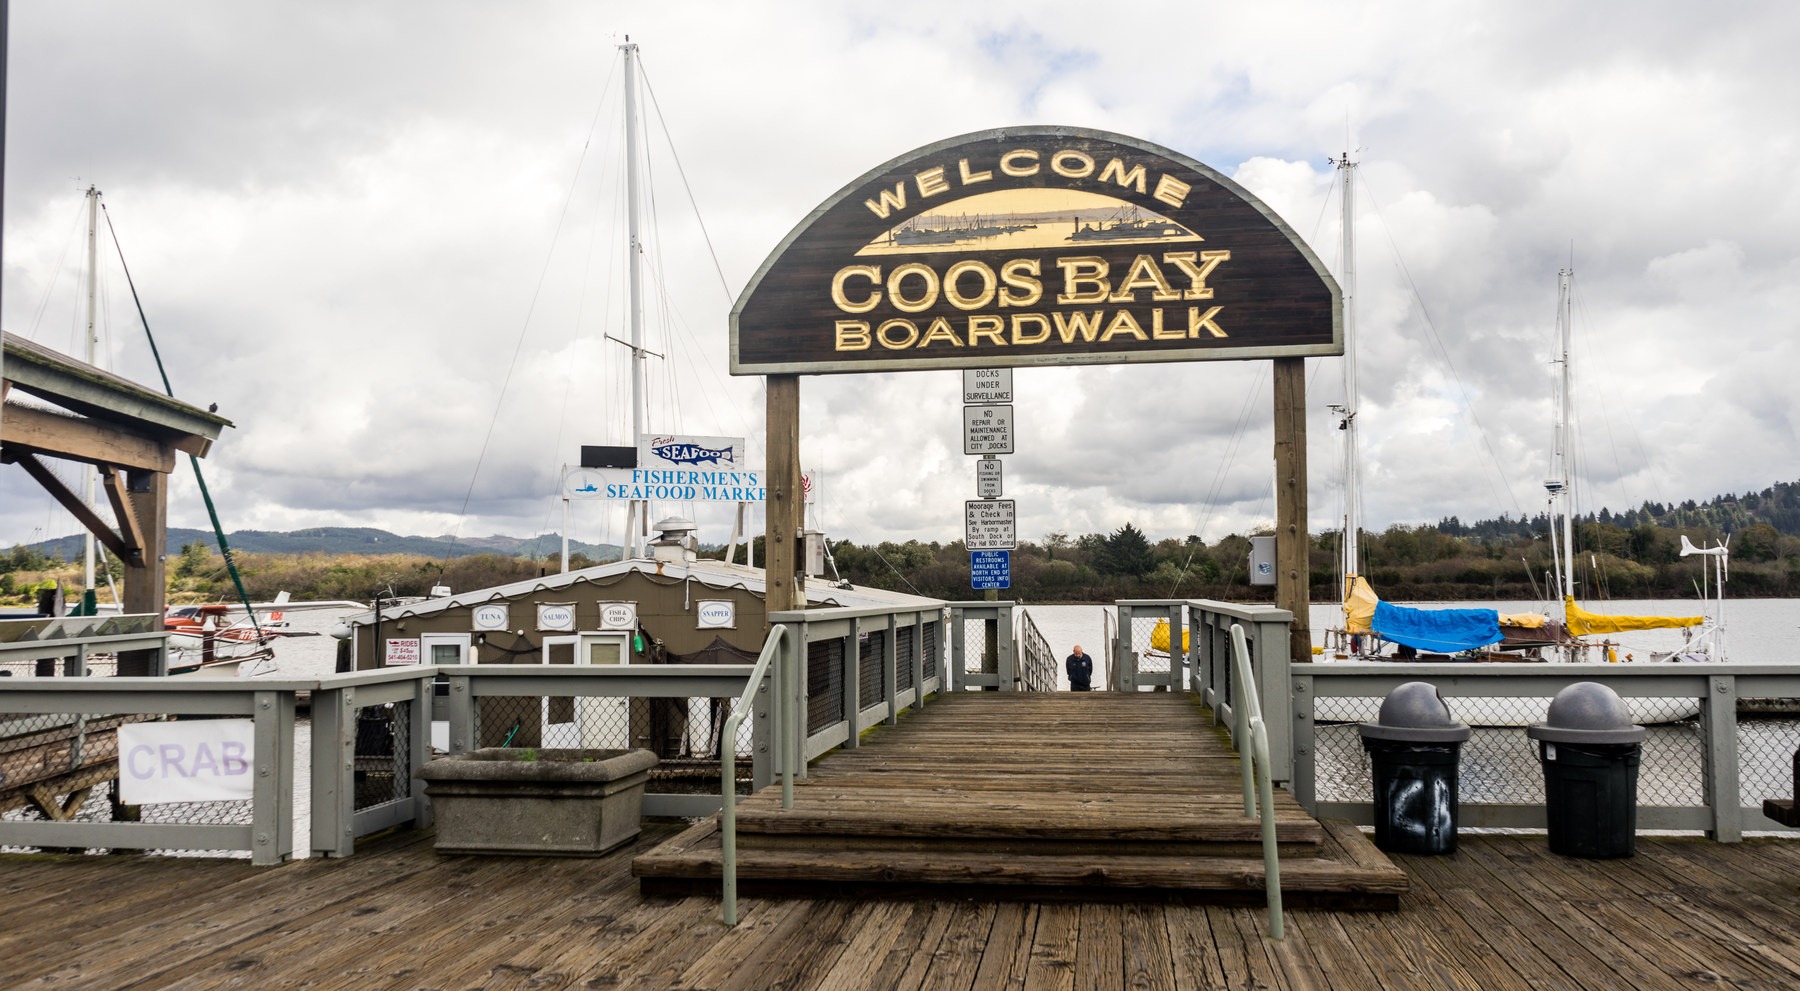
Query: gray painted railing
[[75, 640], [1259, 786], [982, 633], [1128, 672], [1720, 811], [760, 678], [1037, 660], [1709, 756]]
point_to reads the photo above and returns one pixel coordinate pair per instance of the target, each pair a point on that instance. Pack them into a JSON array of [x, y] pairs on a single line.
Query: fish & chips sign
[[1031, 246]]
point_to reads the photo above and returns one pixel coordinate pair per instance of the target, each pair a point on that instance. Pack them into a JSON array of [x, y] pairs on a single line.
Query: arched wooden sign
[[1035, 246]]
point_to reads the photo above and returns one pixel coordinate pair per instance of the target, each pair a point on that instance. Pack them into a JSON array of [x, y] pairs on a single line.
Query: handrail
[[1256, 772], [728, 761]]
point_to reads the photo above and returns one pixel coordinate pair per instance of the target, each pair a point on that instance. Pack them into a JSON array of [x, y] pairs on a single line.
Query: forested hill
[[356, 540], [1777, 506]]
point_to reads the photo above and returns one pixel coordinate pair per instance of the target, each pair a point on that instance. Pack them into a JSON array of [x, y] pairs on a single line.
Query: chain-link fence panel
[[932, 638], [382, 767], [64, 767], [824, 684], [1766, 759], [871, 688], [1150, 639], [905, 652], [975, 645], [686, 734]]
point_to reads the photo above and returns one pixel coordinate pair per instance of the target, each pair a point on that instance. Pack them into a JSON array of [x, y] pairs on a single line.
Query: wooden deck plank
[[1501, 913], [1051, 962]]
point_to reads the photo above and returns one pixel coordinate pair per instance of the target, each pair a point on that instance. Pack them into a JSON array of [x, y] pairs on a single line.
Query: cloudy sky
[[386, 238]]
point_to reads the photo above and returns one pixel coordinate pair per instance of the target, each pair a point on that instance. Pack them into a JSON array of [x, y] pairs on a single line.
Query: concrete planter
[[578, 803]]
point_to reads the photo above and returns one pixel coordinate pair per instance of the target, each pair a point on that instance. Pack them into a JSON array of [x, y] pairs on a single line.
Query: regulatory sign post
[[987, 430], [987, 478], [990, 569], [987, 386], [990, 525]]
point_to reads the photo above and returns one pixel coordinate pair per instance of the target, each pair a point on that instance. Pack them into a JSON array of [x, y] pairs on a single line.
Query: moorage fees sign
[[1035, 246]]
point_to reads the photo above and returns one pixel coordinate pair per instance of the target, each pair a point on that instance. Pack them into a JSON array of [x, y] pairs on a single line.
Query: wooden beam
[[129, 529], [144, 592], [72, 502], [93, 442], [1291, 537], [784, 507]]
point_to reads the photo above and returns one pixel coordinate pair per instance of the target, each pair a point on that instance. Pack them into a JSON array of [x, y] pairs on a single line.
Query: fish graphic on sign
[[689, 451]]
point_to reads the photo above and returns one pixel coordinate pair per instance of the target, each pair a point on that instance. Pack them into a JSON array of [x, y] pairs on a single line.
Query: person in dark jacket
[[1081, 671]]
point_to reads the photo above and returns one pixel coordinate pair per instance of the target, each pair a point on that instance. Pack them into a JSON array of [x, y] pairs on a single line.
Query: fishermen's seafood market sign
[[1034, 246]]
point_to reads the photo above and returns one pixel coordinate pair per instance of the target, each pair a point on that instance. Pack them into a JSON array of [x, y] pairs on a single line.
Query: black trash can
[[1414, 747], [1590, 751]]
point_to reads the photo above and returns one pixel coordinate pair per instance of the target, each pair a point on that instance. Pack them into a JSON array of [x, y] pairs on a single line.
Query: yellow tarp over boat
[[1581, 622], [1359, 605], [1159, 637], [1524, 620]]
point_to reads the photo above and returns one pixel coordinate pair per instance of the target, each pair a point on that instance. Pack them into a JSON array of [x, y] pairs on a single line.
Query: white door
[[605, 722], [444, 648], [559, 713]]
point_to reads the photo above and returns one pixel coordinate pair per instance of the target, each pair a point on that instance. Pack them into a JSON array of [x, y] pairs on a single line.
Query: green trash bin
[[1414, 751], [1590, 751]]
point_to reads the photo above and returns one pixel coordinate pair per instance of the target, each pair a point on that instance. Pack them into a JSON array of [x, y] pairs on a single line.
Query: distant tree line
[[1633, 554]]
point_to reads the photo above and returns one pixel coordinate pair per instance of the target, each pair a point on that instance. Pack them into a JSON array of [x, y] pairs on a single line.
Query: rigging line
[[1637, 438], [895, 570], [61, 260], [685, 354], [562, 419], [1219, 470], [519, 345], [1468, 403], [710, 250], [212, 511]]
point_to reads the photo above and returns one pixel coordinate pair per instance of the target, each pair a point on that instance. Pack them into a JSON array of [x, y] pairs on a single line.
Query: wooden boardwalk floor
[[1056, 795], [1502, 912]]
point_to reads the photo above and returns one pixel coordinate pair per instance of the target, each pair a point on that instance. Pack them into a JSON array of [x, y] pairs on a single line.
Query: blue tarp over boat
[[1438, 630]]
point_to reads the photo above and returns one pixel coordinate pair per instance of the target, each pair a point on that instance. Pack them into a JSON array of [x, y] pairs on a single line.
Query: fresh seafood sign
[[670, 451]]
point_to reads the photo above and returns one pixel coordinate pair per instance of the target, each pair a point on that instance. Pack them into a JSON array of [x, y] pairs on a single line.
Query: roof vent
[[675, 543]]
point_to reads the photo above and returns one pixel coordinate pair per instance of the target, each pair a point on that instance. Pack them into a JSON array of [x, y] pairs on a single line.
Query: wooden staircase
[[1073, 795]]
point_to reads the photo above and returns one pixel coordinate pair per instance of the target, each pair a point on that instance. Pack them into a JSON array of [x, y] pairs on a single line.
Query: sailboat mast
[[1347, 283], [91, 344], [1561, 496], [637, 520]]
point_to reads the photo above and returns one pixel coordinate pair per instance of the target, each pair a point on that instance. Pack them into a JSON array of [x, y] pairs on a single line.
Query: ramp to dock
[[1078, 795]]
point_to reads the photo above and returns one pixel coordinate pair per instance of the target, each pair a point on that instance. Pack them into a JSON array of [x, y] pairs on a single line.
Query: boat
[[217, 638], [1374, 630], [1132, 228]]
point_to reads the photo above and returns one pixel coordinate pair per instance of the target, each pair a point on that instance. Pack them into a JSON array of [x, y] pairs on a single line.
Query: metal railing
[[982, 652], [765, 662], [1703, 767], [69, 645], [1037, 668], [1139, 662], [1259, 785]]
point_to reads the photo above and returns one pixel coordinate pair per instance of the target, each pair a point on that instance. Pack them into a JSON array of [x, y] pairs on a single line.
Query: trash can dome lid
[[1415, 712], [1587, 712]]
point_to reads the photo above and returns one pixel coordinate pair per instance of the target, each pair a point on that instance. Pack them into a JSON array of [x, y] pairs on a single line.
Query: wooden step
[[1349, 873]]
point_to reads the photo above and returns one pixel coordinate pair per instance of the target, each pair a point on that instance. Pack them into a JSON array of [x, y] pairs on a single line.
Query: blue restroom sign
[[990, 569]]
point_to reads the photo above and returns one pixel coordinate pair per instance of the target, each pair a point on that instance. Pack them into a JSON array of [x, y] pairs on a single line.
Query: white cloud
[[347, 219]]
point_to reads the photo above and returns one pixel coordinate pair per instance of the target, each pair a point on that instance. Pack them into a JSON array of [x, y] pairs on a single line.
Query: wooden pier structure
[[1061, 795], [1501, 913]]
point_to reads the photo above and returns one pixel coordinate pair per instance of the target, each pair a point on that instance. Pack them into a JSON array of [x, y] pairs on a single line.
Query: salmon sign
[[1034, 246]]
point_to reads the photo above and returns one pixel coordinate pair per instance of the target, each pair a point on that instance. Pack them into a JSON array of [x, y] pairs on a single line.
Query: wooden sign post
[[1037, 246]]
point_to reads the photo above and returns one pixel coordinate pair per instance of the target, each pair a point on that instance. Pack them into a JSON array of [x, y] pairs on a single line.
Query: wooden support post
[[148, 493], [1291, 537], [784, 507]]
